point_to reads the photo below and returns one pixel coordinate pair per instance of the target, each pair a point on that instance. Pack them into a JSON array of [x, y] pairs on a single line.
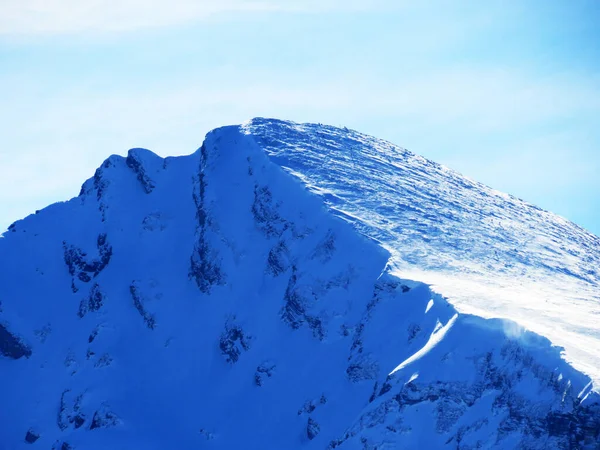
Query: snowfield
[[491, 254], [210, 301]]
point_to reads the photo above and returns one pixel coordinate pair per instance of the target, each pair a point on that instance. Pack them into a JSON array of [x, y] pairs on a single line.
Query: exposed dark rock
[[312, 428], [43, 333], [205, 262], [278, 260], [265, 370], [361, 366], [316, 325], [96, 298], [203, 268], [573, 427], [208, 435], [79, 265], [69, 411], [70, 360], [308, 407], [31, 436], [385, 388], [104, 361], [374, 394], [136, 165], [104, 418], [93, 334], [233, 342], [138, 303], [266, 214], [579, 428], [342, 279], [84, 276], [154, 222], [78, 421], [413, 330], [100, 186], [294, 312], [448, 412], [11, 345], [326, 248], [93, 302], [62, 446]]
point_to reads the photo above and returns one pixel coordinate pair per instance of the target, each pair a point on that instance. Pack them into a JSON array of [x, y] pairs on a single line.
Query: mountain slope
[[492, 254], [208, 301]]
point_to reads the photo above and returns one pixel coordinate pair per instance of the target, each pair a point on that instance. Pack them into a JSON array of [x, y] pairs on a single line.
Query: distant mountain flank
[[296, 286]]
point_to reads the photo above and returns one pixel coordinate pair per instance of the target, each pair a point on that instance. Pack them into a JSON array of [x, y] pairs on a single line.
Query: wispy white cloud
[[24, 17]]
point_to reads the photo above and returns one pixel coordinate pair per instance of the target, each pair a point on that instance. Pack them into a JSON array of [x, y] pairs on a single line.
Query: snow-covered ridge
[[492, 254], [208, 301]]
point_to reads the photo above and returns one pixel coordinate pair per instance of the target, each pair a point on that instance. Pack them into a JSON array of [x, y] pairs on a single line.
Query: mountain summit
[[296, 286]]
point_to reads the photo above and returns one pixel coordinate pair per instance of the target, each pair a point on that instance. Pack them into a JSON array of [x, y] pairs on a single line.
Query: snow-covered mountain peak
[[492, 254], [209, 301]]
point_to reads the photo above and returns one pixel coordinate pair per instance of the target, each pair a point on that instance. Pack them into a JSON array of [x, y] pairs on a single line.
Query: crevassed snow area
[[491, 254]]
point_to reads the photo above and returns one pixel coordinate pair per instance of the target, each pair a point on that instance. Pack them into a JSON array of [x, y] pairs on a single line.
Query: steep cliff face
[[208, 301]]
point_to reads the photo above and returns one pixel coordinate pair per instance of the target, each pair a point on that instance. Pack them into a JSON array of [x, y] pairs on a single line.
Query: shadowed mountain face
[[209, 301]]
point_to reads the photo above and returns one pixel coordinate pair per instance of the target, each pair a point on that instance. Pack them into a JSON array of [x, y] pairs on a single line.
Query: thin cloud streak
[[33, 17]]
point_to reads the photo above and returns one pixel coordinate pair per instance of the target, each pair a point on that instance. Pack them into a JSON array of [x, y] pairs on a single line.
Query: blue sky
[[506, 92]]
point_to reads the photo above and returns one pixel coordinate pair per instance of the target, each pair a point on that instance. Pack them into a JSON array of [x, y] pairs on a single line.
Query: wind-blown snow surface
[[491, 254], [209, 301]]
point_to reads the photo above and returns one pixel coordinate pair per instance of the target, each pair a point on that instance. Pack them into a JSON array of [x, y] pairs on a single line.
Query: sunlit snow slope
[[492, 254], [211, 302]]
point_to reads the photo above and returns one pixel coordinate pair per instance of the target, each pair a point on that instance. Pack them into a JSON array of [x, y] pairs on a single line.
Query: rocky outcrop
[[11, 346], [495, 379], [138, 302], [310, 405], [205, 266], [264, 371], [298, 299], [69, 412], [93, 303], [96, 187], [234, 341], [312, 428], [266, 214], [278, 261], [31, 436], [135, 163], [83, 268], [104, 418]]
